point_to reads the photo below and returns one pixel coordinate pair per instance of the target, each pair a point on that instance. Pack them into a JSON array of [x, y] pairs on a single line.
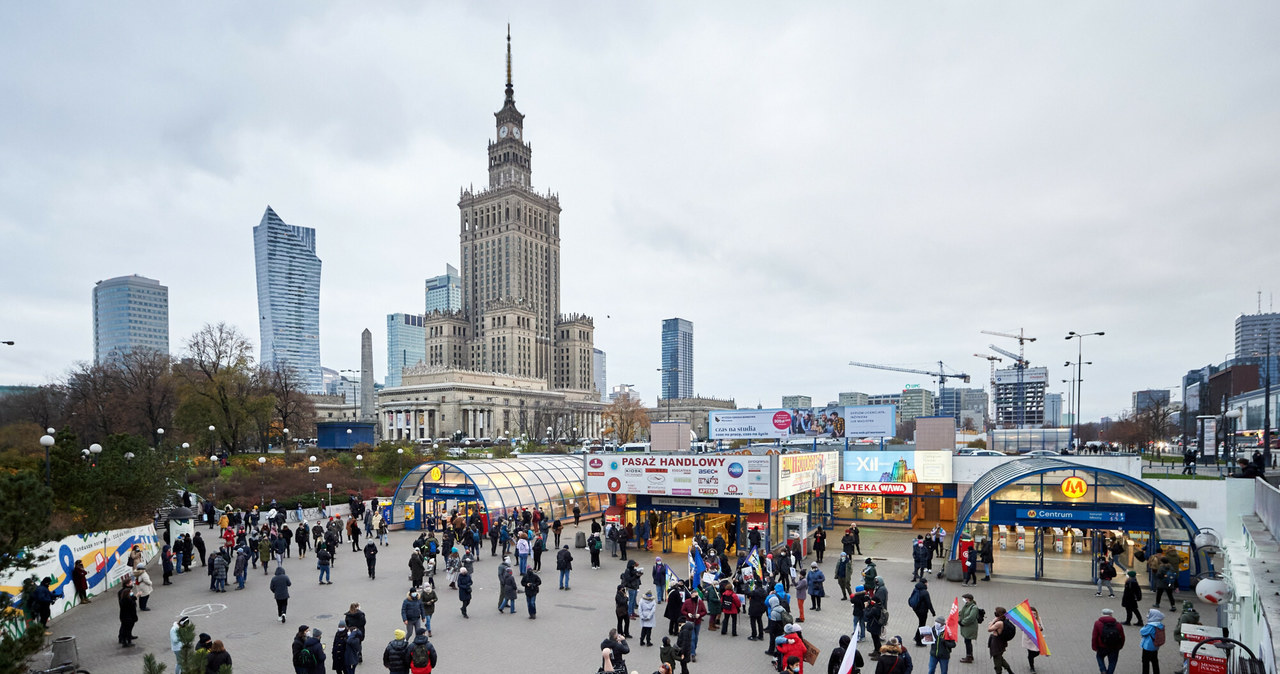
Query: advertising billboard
[[891, 466], [832, 421], [733, 424], [806, 471], [733, 476], [1009, 375], [874, 488]]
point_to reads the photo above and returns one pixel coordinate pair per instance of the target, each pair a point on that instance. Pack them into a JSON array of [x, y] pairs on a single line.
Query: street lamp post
[[185, 447], [212, 428], [399, 457], [313, 475], [160, 440], [213, 465], [262, 480], [677, 371], [549, 438], [359, 466], [47, 441], [284, 446], [1230, 417], [94, 450], [1079, 337]]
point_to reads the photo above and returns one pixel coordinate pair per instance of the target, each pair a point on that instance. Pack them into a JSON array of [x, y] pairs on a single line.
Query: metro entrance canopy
[[1051, 493]]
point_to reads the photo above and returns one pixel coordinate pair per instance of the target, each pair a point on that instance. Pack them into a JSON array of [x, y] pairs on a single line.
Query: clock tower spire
[[509, 155]]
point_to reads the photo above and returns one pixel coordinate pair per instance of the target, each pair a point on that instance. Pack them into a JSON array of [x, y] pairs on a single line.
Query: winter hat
[[421, 631], [184, 621], [1154, 616], [398, 634], [1133, 574], [869, 561], [342, 623], [813, 565], [781, 641], [1186, 605], [940, 620], [648, 595], [316, 633], [790, 629], [843, 556], [1107, 611], [655, 559]]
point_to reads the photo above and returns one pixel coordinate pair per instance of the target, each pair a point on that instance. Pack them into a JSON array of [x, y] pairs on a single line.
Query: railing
[[1266, 503]]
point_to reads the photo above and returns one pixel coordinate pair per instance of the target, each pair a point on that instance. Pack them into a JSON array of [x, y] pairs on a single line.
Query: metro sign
[[877, 488]]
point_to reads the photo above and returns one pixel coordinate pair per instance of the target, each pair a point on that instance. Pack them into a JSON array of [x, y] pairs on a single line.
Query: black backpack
[[1009, 632], [982, 615], [304, 658], [1111, 638]]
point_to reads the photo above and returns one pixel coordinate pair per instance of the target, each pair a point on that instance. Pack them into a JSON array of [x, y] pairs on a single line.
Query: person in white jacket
[[647, 609], [142, 587], [175, 643]]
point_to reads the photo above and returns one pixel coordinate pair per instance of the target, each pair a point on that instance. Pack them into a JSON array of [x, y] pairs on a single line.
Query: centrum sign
[[681, 475], [1070, 515]]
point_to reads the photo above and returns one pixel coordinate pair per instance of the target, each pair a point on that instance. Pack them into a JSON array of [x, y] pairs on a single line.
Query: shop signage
[[461, 490], [1071, 515], [690, 503], [1074, 487], [878, 488], [679, 475], [897, 466], [1209, 658], [806, 471]]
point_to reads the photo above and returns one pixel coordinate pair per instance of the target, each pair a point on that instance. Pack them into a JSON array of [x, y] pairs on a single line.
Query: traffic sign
[[313, 469]]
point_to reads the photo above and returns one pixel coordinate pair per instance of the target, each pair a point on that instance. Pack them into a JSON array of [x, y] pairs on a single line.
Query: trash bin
[[580, 541], [954, 568], [65, 653]]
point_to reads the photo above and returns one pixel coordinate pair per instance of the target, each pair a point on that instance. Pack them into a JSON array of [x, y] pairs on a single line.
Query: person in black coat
[[464, 589], [128, 613], [837, 657], [820, 543], [923, 606], [755, 611], [672, 612]]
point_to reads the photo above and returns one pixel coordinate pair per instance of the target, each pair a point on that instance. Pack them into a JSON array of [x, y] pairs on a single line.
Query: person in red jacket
[[1108, 639], [730, 606], [790, 644], [694, 610]]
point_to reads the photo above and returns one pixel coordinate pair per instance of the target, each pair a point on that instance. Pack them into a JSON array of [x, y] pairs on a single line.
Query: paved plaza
[[570, 625]]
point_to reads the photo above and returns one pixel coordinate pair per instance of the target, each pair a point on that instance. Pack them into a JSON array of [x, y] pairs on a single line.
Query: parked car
[[1042, 452], [982, 452]]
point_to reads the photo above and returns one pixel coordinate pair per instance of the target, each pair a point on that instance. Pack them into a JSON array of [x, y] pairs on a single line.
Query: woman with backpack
[[1001, 632], [1152, 639]]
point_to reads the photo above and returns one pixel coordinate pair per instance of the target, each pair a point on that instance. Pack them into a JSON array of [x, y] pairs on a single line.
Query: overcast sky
[[808, 183]]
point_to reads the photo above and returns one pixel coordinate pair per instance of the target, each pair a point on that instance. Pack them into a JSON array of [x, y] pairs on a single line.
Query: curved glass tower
[[289, 297]]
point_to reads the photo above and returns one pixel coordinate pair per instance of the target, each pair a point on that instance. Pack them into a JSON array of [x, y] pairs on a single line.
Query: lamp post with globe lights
[[285, 444], [359, 467], [213, 464], [212, 428], [262, 480], [186, 447], [47, 441], [160, 439], [94, 450], [399, 457], [312, 459]]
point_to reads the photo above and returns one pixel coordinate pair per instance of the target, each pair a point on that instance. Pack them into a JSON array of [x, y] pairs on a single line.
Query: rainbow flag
[[1021, 616]]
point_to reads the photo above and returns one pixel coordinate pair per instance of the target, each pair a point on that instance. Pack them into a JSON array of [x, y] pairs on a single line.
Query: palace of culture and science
[[509, 362]]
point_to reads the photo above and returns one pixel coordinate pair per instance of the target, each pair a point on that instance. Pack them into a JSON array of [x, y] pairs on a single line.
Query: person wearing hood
[[869, 575], [422, 654], [817, 589], [648, 612], [339, 649], [871, 625], [1152, 639], [280, 588], [411, 612], [395, 657], [922, 605], [531, 583], [464, 590], [354, 653], [508, 591], [790, 645], [1189, 616], [428, 598], [881, 592], [370, 554], [241, 568]]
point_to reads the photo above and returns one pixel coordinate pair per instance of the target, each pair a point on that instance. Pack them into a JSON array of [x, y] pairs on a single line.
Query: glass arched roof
[[500, 483]]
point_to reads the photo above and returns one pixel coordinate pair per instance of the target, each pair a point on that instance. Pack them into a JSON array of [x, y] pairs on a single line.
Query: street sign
[[313, 469], [328, 485], [1071, 515]]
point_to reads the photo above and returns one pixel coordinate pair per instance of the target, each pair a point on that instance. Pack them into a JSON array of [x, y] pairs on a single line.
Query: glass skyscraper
[[406, 344], [289, 297], [444, 293], [129, 312], [677, 358]]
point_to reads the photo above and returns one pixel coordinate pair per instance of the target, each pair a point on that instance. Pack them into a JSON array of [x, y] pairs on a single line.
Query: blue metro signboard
[[465, 490], [1070, 515]]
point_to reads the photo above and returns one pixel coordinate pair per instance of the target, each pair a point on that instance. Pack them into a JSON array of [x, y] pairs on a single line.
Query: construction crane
[[992, 360], [1020, 363], [941, 374]]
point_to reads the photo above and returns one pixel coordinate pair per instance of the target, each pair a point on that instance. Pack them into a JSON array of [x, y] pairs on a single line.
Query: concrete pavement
[[570, 625]]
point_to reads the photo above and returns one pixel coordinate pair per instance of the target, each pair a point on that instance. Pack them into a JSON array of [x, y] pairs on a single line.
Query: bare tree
[[151, 394], [625, 418], [94, 400], [219, 387], [292, 407], [44, 406]]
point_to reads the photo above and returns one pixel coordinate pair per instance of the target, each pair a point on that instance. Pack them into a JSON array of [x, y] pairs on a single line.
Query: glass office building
[[677, 358], [129, 312], [406, 344], [444, 292], [289, 297]]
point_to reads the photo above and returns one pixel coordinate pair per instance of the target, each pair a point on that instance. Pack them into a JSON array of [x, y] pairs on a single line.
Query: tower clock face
[[515, 131], [502, 132]]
